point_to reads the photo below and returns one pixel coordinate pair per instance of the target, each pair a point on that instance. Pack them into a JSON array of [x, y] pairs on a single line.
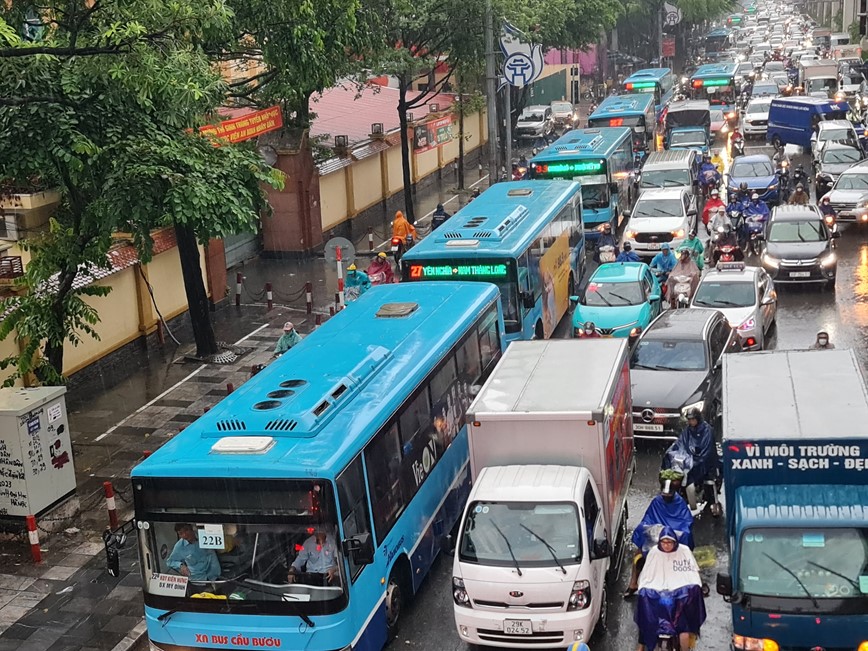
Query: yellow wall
[[426, 163], [393, 160], [333, 194], [367, 183], [164, 274], [8, 348]]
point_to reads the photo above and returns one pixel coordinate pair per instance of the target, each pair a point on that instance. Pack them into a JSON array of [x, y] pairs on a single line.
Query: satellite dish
[[348, 251]]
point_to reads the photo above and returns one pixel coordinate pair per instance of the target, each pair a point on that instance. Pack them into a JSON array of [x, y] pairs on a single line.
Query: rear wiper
[[795, 576], [547, 546], [508, 547]]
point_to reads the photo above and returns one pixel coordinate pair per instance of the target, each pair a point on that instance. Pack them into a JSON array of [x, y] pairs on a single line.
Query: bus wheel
[[538, 332], [571, 285], [395, 596]]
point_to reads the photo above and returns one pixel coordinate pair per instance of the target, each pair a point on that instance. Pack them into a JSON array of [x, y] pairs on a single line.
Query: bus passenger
[[317, 562], [190, 560]]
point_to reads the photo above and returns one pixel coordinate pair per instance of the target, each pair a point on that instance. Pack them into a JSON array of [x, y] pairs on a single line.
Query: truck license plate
[[800, 274], [648, 427], [653, 245], [517, 627]]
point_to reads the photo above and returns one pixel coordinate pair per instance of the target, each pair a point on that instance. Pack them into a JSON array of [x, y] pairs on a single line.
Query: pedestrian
[[287, 340], [822, 342], [440, 215]]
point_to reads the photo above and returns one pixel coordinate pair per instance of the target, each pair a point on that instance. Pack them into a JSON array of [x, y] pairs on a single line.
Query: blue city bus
[[308, 506], [659, 81], [602, 159], [716, 82], [524, 236], [634, 111], [719, 40]]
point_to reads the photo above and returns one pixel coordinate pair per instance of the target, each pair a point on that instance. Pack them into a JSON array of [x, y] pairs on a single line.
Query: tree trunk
[[197, 297], [409, 212], [460, 141], [54, 350]]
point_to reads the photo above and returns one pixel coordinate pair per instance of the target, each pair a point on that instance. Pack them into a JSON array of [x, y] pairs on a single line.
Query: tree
[[108, 100]]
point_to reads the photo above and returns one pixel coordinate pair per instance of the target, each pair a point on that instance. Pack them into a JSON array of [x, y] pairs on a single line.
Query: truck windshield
[[273, 546], [820, 563], [510, 533], [687, 139]]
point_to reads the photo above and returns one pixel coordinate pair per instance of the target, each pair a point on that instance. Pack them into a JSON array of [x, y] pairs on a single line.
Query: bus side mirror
[[360, 548], [613, 188], [527, 300]]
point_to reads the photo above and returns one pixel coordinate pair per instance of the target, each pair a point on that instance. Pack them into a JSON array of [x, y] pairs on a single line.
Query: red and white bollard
[[308, 296], [110, 504], [370, 239], [339, 258], [238, 280], [33, 536], [146, 454], [318, 320], [269, 297], [229, 388]]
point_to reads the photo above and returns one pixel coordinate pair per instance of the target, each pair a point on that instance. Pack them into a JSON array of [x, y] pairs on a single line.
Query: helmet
[[288, 326], [742, 186], [683, 251], [825, 199], [628, 246], [352, 267], [800, 187], [694, 413], [381, 255], [607, 227], [706, 157], [439, 206], [754, 196], [665, 246], [715, 192], [589, 326]]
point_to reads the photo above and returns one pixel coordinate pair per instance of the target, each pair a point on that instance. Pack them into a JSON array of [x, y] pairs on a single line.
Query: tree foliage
[[107, 106]]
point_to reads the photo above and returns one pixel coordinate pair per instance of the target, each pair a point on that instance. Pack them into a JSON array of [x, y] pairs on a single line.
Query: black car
[[800, 247], [832, 160], [677, 365]]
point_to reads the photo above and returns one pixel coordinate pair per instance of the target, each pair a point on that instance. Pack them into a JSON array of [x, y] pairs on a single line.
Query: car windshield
[[725, 294], [852, 79], [687, 139], [659, 208], [669, 355], [526, 534], [665, 179], [562, 107], [797, 231], [852, 155], [834, 134], [613, 294], [531, 117], [827, 563], [852, 182], [751, 168], [758, 107], [765, 89], [716, 115]]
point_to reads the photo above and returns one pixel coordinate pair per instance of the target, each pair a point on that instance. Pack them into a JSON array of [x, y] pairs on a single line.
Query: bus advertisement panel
[[526, 237]]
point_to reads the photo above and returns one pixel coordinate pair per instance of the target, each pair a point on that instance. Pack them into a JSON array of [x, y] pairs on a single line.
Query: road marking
[[172, 388]]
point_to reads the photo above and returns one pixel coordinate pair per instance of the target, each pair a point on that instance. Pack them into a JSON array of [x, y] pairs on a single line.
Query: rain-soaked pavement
[[428, 624]]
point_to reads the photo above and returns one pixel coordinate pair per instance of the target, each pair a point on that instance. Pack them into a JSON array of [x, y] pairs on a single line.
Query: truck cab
[[796, 500]]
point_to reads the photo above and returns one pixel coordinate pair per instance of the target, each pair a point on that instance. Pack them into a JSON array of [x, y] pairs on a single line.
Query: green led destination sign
[[458, 271], [637, 85], [583, 167], [716, 82]]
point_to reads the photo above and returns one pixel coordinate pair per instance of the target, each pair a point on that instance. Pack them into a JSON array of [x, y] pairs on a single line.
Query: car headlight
[[862, 204], [459, 594], [828, 261], [678, 234], [700, 405], [748, 324], [630, 235], [774, 263], [744, 643]]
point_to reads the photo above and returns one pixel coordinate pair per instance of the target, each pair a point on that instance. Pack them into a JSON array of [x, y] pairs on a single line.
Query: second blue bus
[[307, 507], [716, 82], [602, 160], [524, 236], [634, 111], [656, 81]]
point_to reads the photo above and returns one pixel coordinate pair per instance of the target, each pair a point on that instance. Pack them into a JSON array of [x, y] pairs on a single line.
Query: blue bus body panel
[[587, 144], [792, 118], [620, 106], [380, 361]]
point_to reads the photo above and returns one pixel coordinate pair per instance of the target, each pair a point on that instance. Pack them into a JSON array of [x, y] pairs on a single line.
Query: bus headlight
[[459, 594]]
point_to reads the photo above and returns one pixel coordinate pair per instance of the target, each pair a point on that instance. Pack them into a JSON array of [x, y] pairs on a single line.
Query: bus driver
[[317, 561]]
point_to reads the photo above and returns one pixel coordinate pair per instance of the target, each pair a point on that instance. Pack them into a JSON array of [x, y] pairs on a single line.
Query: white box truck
[[552, 460]]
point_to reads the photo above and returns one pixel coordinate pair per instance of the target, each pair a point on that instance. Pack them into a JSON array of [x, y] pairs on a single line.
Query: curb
[[132, 638]]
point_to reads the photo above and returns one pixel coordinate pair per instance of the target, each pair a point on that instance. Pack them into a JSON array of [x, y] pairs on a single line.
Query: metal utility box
[[36, 468]]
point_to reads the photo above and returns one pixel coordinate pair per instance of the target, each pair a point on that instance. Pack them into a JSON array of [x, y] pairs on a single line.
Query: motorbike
[[682, 290], [662, 277], [399, 247], [709, 181], [783, 174], [378, 278], [755, 234], [678, 458], [737, 145]]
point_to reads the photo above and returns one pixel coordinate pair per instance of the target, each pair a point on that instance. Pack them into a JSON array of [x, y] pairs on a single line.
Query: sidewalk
[[69, 602]]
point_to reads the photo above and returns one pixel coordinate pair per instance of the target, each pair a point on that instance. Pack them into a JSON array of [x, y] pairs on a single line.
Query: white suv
[[659, 216], [756, 117]]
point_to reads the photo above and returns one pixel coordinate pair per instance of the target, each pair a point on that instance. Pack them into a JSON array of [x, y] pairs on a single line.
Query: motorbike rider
[[708, 177], [756, 211], [822, 342], [440, 215], [743, 194], [357, 281], [718, 219], [714, 201], [667, 509], [725, 236], [664, 262], [628, 254], [736, 142], [403, 229], [799, 197], [287, 340], [780, 157], [380, 267], [827, 210], [800, 176], [589, 331], [606, 239], [697, 442], [685, 267], [697, 250], [717, 161], [670, 594]]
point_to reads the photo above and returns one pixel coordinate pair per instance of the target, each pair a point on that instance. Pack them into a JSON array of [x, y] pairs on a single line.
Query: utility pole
[[491, 93]]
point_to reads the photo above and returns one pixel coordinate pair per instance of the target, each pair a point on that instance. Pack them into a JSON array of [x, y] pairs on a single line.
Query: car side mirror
[[691, 212], [653, 297], [724, 584], [601, 549], [527, 300], [360, 548], [627, 213], [835, 235], [574, 300], [768, 299]]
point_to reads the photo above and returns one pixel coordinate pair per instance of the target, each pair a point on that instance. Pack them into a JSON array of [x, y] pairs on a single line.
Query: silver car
[[745, 295]]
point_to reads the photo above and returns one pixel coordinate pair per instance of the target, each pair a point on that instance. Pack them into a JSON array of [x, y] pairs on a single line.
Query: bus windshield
[[272, 543], [595, 196], [828, 563], [521, 533]]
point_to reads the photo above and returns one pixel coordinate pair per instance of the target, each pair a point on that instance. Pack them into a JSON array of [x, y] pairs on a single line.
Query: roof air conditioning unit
[[377, 130], [342, 143], [433, 108]]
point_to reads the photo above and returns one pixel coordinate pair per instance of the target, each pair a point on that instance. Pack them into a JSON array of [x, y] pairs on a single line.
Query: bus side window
[[489, 341], [354, 506], [469, 368], [383, 461]]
